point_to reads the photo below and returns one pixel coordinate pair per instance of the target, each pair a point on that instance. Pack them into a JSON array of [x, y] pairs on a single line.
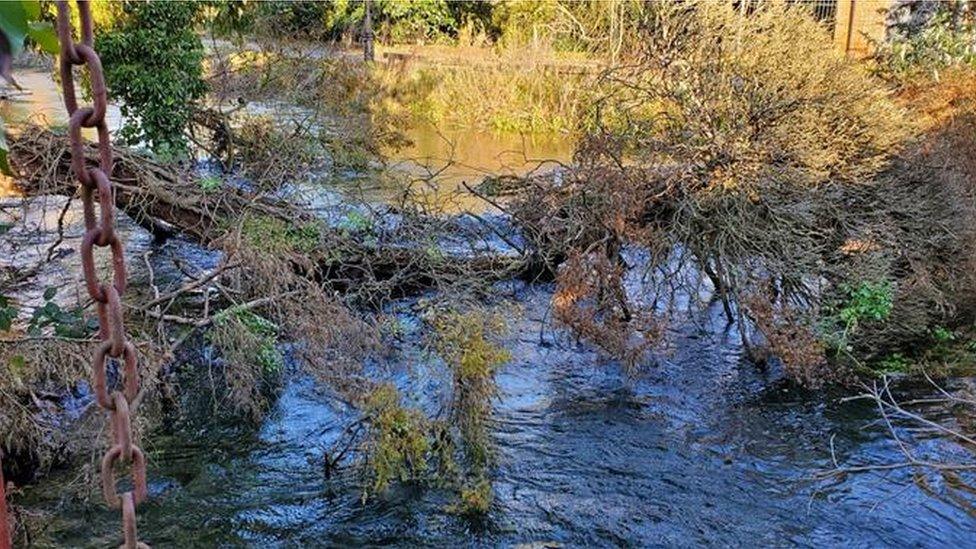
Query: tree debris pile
[[284, 267], [369, 255], [43, 375], [738, 149]]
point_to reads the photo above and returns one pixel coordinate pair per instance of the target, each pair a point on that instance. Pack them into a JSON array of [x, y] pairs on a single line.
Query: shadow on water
[[700, 449]]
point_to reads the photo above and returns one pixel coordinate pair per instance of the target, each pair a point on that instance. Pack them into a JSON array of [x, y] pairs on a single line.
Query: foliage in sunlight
[[733, 204], [251, 361], [946, 41], [397, 444], [153, 68], [464, 342], [276, 237]]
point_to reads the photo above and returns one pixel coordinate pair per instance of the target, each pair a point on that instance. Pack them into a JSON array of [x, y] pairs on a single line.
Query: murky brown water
[[40, 102], [455, 156]]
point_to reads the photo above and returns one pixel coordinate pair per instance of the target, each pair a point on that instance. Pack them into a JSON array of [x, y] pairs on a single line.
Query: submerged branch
[[167, 201]]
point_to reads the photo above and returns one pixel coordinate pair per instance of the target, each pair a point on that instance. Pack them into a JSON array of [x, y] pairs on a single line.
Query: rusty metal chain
[[5, 542], [100, 233]]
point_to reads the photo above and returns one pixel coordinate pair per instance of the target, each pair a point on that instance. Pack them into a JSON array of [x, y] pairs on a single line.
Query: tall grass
[[498, 90]]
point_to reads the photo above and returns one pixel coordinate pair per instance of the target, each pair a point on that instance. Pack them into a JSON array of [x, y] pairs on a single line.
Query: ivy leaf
[[50, 293]]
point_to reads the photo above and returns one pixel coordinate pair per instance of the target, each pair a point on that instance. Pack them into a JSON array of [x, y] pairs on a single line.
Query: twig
[[194, 284]]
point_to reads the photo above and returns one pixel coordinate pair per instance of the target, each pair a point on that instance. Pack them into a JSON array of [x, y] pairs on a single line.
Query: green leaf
[[43, 33], [17, 363], [18, 20], [32, 9], [50, 293], [13, 23]]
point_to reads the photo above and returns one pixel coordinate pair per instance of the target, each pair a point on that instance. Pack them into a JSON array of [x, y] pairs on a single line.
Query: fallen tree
[[369, 259], [780, 177]]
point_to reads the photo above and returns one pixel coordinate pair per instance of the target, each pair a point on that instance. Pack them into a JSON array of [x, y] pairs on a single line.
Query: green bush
[[397, 446], [939, 45], [867, 301], [153, 67], [248, 344]]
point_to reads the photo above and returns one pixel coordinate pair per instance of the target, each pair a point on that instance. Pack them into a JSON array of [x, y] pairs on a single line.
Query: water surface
[[698, 448]]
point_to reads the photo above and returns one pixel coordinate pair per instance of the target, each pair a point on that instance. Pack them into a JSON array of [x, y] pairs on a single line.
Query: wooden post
[[858, 23], [368, 53]]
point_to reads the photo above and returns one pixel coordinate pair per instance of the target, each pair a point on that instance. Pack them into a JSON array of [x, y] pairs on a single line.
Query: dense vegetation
[[731, 162], [153, 64], [567, 25]]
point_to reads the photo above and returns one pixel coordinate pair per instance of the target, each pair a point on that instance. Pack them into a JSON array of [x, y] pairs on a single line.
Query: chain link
[[100, 233], [4, 520]]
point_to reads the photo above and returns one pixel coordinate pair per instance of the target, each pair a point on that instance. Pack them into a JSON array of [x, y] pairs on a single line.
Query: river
[[699, 448]]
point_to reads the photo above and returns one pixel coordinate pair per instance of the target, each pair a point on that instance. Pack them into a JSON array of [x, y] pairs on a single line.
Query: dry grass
[[936, 102], [35, 376], [499, 90], [344, 110], [42, 375]]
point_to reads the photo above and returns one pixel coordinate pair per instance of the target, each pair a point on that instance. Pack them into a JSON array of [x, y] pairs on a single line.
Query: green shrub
[[895, 363], [153, 68], [263, 330], [252, 363], [867, 301], [930, 50], [475, 500], [210, 183], [464, 341], [275, 236], [397, 445], [69, 323]]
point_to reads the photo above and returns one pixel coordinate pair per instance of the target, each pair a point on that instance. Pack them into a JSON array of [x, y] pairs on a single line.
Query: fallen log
[[159, 197], [167, 200]]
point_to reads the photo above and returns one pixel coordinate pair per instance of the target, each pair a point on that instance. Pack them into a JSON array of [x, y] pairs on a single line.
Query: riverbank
[[505, 90]]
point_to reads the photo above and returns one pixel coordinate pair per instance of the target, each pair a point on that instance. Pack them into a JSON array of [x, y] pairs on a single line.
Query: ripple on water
[[700, 449], [703, 449]]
